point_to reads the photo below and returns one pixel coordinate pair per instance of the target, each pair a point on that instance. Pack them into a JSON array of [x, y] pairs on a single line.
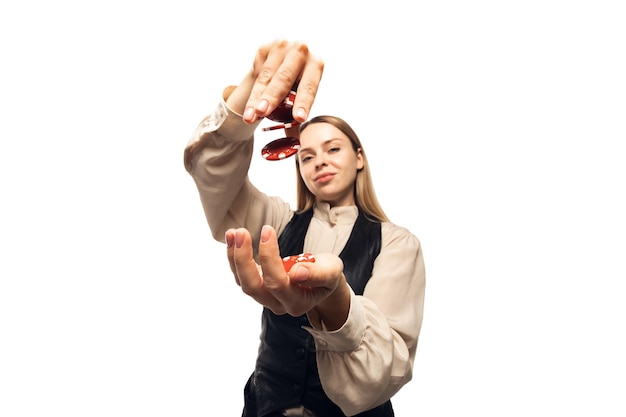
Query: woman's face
[[329, 164]]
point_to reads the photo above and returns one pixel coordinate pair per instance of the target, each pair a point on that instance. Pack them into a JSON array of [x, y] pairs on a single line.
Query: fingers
[[278, 67], [230, 252], [296, 300], [246, 271], [275, 278], [241, 260], [307, 88]]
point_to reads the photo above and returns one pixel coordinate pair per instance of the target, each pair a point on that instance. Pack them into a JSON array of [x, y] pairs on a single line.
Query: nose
[[320, 160]]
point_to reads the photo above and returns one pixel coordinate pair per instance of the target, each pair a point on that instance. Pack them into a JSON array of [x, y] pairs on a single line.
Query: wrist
[[333, 310]]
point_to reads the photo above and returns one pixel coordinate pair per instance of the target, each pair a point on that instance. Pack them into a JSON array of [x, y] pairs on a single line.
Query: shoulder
[[393, 235]]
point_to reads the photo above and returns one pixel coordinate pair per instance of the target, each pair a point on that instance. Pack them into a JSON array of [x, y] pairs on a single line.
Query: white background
[[495, 131]]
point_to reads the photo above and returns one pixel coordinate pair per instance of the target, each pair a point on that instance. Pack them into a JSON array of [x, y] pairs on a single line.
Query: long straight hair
[[364, 194]]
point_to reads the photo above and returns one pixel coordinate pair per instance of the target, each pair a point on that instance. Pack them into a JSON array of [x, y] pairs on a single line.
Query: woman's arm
[[218, 157], [368, 360], [219, 153]]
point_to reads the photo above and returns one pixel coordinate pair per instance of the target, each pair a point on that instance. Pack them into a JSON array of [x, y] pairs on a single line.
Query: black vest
[[286, 369]]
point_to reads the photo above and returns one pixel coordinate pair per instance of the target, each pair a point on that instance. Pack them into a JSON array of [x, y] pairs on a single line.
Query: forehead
[[319, 133]]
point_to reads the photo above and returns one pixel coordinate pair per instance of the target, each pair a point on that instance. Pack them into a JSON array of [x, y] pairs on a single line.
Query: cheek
[[349, 164]]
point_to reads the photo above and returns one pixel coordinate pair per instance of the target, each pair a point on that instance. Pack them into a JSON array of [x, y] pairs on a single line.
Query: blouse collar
[[336, 215]]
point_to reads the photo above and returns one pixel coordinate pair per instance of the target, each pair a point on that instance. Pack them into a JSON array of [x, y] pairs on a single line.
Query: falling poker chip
[[289, 261], [282, 113], [280, 148]]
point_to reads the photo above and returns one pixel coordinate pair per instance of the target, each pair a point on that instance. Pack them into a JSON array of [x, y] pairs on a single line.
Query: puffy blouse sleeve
[[368, 360], [218, 157]]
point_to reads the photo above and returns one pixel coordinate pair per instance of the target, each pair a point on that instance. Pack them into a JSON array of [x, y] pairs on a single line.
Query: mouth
[[323, 178]]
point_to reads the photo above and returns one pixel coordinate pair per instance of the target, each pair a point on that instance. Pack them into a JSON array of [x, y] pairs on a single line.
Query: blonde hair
[[364, 194]]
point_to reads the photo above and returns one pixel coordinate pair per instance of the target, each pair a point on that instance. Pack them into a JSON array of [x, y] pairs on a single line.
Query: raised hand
[[278, 66]]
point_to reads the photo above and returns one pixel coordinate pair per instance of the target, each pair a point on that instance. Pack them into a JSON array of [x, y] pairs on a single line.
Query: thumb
[[323, 273]]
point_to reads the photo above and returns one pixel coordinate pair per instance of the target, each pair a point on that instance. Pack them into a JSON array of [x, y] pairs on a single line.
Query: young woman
[[339, 332]]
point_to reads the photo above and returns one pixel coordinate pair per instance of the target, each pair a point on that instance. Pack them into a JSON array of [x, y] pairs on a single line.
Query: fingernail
[[262, 106], [248, 115], [230, 239], [265, 233], [301, 114], [239, 238]]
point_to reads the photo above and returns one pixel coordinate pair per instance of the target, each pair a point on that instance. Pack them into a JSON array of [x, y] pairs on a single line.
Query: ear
[[359, 159]]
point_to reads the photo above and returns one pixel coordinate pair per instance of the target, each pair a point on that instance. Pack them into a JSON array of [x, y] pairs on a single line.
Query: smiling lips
[[323, 178]]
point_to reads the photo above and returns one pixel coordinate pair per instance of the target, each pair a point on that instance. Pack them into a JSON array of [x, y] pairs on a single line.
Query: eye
[[334, 149], [305, 158]]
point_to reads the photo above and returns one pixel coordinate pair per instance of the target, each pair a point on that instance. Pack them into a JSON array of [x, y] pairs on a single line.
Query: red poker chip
[[289, 261], [283, 113], [281, 148]]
